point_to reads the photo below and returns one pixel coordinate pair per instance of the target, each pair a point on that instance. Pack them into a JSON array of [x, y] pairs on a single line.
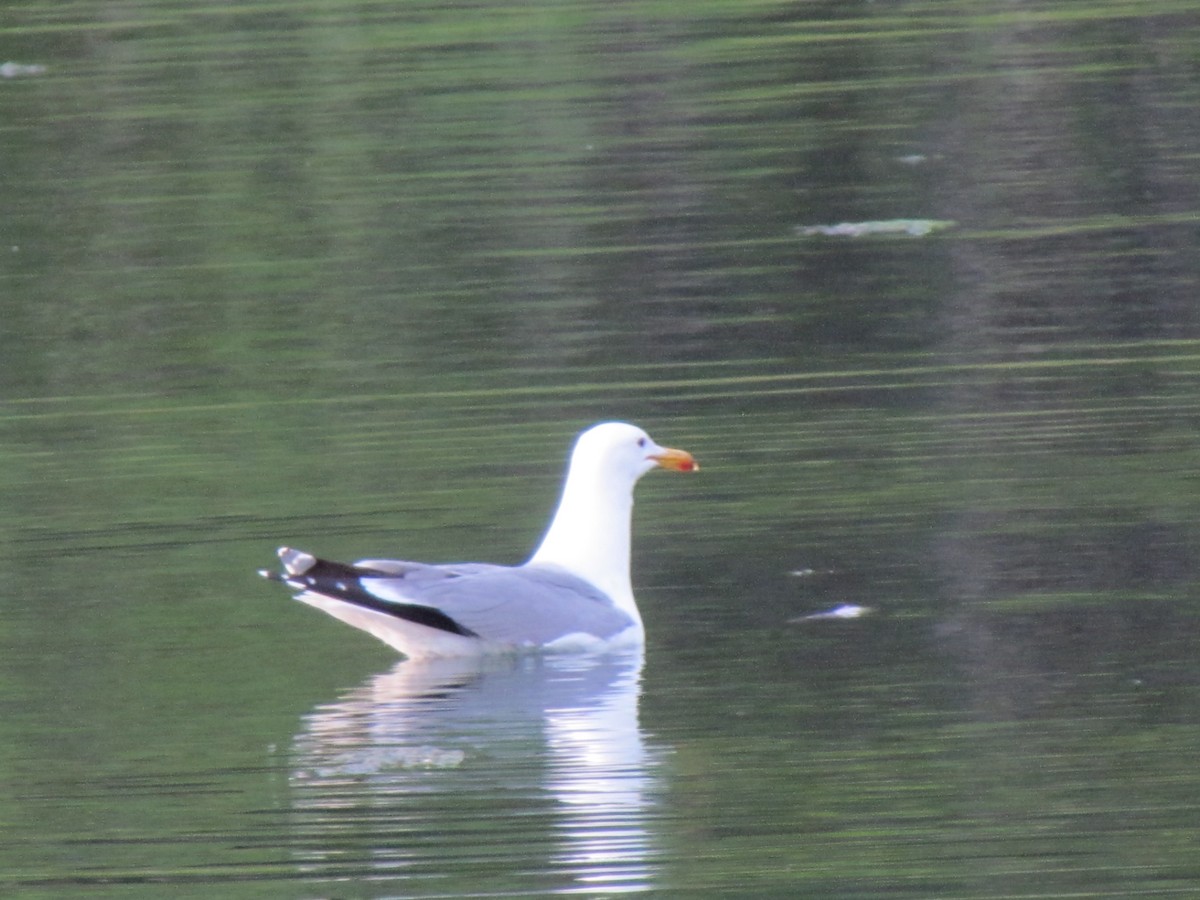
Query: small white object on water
[[845, 611], [16, 70], [809, 572], [910, 227]]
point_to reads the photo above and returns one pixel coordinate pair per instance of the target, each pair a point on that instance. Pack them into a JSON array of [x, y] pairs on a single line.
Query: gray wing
[[502, 604]]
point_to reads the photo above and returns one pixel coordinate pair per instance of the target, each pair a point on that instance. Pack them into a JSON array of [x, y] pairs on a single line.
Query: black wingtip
[[339, 581]]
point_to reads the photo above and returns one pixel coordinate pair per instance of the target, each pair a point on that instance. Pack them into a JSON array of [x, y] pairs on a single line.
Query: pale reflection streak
[[390, 781], [600, 773]]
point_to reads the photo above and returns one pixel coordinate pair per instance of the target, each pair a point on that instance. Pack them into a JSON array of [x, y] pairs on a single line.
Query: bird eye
[[641, 442]]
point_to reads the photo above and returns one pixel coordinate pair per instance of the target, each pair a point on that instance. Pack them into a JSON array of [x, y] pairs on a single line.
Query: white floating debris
[[912, 159], [910, 227], [18, 70], [845, 611]]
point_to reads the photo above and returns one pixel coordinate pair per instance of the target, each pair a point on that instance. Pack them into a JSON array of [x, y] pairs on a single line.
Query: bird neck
[[589, 537]]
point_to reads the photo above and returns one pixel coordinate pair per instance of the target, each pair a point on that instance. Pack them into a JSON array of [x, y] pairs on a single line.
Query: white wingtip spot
[[296, 562]]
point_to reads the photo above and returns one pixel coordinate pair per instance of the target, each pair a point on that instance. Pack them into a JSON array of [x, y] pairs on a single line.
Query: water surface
[[915, 283]]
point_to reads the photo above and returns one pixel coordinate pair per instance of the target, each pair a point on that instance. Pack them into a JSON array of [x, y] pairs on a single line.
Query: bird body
[[574, 593]]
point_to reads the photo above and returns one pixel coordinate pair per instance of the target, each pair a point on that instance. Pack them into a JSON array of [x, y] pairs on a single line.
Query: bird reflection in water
[[461, 775]]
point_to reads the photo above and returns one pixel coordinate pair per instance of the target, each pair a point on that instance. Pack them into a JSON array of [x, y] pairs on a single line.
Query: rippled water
[[528, 764], [915, 283]]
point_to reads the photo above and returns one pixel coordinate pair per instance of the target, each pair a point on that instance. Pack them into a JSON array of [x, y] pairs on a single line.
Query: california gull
[[574, 593]]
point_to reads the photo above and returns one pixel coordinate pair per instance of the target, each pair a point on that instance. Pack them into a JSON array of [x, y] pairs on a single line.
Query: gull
[[574, 593]]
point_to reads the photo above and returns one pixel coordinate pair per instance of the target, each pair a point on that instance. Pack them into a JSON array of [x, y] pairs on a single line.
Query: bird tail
[[342, 581], [301, 570]]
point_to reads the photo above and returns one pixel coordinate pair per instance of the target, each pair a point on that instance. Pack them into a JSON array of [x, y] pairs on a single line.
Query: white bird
[[574, 593]]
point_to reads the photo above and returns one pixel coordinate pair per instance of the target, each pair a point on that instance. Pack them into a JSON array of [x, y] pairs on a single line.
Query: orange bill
[[676, 460]]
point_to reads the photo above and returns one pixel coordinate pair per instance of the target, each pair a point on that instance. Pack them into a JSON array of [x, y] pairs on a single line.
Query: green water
[[350, 277]]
